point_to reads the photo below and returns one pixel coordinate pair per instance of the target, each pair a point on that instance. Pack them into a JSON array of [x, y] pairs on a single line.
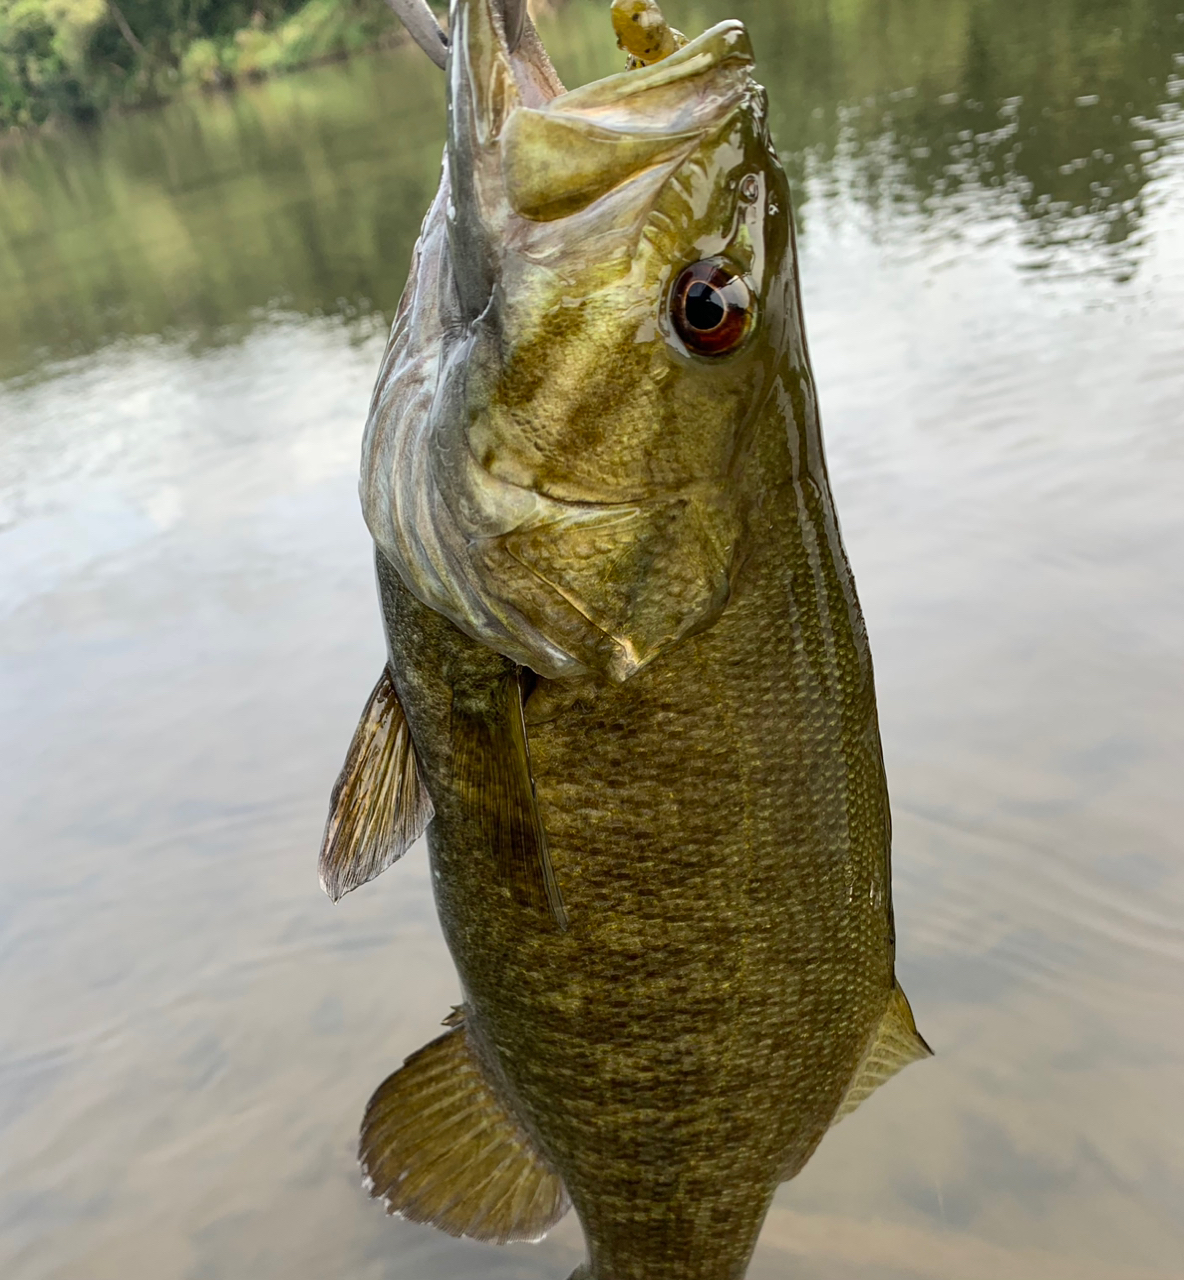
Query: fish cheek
[[505, 417], [708, 408], [580, 425]]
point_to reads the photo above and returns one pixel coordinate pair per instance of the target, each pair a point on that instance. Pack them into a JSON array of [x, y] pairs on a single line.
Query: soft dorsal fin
[[379, 805], [439, 1146], [491, 766], [897, 1042]]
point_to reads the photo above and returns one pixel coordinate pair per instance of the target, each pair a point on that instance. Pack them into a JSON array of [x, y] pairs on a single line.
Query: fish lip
[[719, 45]]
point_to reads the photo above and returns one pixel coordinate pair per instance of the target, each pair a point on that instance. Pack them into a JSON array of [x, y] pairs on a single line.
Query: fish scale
[[689, 1013], [629, 691]]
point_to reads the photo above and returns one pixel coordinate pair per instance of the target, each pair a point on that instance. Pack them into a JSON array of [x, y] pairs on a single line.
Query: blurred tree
[[75, 57]]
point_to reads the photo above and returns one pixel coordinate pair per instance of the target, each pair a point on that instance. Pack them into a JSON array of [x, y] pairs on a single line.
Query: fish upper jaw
[[523, 153]]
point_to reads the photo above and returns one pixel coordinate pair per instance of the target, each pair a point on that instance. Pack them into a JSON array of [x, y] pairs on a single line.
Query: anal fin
[[379, 806], [439, 1146], [897, 1042], [491, 766]]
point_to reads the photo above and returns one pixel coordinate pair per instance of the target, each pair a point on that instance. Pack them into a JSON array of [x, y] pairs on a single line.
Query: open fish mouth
[[522, 146], [561, 157]]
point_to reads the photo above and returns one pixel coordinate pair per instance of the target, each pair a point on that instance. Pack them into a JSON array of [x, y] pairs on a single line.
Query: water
[[192, 307]]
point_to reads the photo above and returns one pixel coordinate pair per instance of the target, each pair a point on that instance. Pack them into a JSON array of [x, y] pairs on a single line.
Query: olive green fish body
[[629, 691], [719, 826]]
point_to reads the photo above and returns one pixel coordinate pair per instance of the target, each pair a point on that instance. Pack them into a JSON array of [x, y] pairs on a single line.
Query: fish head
[[613, 277]]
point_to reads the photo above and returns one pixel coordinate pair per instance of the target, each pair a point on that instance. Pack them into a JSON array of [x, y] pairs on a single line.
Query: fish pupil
[[705, 307], [712, 309]]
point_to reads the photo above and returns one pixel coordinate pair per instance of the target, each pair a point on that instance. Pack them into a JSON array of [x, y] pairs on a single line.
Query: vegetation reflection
[[305, 193]]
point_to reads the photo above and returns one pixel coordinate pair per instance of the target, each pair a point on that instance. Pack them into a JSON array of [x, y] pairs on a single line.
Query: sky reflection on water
[[195, 306]]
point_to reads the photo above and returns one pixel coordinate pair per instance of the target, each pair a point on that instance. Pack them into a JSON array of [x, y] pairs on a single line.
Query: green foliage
[[203, 64], [321, 29], [75, 58], [37, 79]]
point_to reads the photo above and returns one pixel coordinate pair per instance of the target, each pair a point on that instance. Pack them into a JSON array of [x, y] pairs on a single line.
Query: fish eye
[[711, 308]]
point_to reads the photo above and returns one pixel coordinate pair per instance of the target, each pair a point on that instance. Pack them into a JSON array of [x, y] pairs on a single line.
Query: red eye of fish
[[711, 308]]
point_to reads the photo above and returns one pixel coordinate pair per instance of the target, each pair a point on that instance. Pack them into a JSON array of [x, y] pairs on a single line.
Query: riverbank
[[74, 60]]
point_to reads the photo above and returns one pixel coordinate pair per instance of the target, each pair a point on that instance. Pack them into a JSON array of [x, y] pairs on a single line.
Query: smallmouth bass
[[629, 693]]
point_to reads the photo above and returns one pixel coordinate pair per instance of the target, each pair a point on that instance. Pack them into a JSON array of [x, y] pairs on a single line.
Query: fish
[[629, 694]]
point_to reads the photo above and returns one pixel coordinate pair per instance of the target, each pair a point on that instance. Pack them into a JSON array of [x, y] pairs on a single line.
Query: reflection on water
[[192, 315], [308, 192], [1056, 114]]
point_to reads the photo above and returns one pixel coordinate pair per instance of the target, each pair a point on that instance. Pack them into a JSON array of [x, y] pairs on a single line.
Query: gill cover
[[508, 487]]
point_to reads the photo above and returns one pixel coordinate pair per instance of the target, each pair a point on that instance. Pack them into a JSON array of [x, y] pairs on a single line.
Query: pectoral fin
[[897, 1042], [491, 767], [379, 805], [439, 1146]]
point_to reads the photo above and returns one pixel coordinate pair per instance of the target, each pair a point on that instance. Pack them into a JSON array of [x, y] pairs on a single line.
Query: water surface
[[193, 303]]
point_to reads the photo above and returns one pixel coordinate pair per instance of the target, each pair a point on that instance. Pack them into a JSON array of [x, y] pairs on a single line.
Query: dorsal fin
[[491, 767], [897, 1042], [439, 1146], [379, 805]]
